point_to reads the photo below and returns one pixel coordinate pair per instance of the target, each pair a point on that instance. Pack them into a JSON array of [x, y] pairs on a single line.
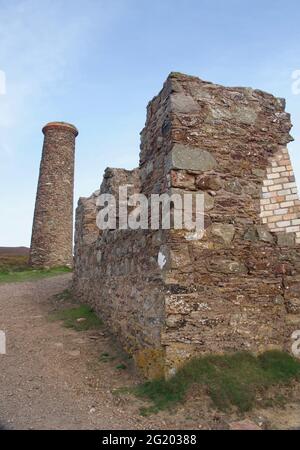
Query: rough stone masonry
[[169, 296], [52, 231]]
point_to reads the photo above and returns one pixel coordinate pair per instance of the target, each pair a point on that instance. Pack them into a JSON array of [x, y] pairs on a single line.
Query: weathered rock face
[[52, 232], [169, 295]]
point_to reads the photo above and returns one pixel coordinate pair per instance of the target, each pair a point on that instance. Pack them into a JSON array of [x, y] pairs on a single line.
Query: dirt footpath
[[54, 378], [50, 377]]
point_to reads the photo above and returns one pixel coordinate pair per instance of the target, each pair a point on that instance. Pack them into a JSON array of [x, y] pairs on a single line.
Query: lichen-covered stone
[[223, 231], [264, 234], [260, 173], [183, 104], [286, 239], [251, 234], [182, 179], [235, 186], [190, 158], [221, 265], [209, 201], [209, 182]]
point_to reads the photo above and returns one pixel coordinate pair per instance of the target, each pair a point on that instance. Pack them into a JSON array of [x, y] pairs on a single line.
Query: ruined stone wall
[[116, 272], [238, 286]]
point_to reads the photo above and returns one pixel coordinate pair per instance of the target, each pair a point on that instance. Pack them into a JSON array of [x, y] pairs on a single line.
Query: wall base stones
[[169, 294]]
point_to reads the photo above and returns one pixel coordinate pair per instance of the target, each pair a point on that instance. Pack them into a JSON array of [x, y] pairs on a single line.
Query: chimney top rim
[[65, 125]]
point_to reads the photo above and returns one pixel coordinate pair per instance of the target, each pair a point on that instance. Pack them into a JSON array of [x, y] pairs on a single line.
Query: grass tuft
[[106, 357], [14, 268], [231, 380], [13, 262], [18, 274], [81, 318], [121, 366], [64, 296]]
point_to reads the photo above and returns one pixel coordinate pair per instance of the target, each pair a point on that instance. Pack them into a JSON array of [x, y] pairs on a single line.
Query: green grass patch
[[64, 296], [18, 274], [121, 367], [106, 357], [231, 380], [80, 318]]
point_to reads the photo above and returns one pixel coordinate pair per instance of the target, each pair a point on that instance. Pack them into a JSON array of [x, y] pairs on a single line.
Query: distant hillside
[[13, 258], [14, 251]]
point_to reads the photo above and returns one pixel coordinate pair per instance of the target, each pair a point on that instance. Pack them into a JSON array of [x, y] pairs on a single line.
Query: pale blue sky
[[97, 63]]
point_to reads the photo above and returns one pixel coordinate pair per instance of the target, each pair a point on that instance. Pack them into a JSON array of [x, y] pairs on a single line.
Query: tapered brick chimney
[[52, 231]]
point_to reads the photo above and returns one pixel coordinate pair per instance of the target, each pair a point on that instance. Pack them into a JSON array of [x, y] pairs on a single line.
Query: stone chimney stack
[[52, 231]]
